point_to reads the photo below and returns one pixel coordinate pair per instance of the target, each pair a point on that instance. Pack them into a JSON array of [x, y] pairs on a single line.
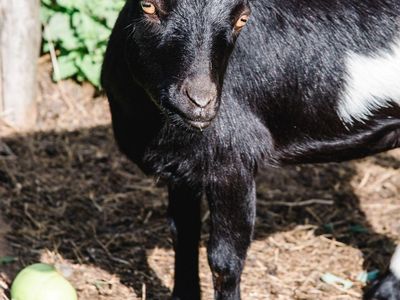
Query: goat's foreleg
[[185, 223], [232, 210]]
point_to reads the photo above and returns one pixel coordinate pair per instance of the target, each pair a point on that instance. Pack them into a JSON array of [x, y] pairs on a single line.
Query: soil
[[70, 198]]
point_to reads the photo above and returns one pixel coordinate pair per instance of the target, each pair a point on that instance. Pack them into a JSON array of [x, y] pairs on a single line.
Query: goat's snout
[[197, 103], [200, 91]]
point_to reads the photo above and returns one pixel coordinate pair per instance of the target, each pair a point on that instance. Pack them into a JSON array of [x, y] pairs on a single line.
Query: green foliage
[[79, 30]]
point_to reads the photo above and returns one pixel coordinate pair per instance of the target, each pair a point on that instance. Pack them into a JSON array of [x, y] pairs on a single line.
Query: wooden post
[[20, 36]]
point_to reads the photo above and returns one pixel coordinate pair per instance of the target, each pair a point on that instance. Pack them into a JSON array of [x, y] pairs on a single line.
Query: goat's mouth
[[199, 120], [197, 123]]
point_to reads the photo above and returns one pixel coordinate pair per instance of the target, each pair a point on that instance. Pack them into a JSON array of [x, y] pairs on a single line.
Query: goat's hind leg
[[185, 223], [388, 286]]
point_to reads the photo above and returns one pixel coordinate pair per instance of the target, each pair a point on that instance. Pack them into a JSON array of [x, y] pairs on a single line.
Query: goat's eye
[[148, 7], [241, 22]]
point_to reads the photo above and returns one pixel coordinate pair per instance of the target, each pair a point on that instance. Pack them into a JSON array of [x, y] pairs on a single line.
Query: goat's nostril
[[200, 98]]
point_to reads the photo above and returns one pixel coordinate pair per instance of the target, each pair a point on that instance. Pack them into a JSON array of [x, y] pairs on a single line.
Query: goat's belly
[[382, 137]]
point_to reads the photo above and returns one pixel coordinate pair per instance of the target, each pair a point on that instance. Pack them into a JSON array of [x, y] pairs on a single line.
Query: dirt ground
[[69, 197]]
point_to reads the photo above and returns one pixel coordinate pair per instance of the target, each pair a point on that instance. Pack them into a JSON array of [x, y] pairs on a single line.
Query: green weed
[[78, 31]]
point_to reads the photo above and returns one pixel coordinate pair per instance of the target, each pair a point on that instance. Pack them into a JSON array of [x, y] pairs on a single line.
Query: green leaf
[[71, 42], [110, 18], [57, 27], [60, 31], [79, 29], [6, 260], [90, 69], [47, 2], [89, 30], [365, 277], [336, 280], [46, 47], [45, 14], [67, 67], [80, 77], [105, 11], [72, 4], [358, 229]]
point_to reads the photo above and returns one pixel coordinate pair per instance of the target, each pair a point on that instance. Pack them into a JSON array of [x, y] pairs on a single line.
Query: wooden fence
[[20, 36]]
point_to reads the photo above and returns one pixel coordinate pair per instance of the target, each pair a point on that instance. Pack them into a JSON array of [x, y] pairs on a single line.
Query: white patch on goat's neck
[[372, 82], [395, 263]]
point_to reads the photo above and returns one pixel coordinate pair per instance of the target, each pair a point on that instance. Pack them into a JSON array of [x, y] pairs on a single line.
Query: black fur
[[386, 288], [277, 83]]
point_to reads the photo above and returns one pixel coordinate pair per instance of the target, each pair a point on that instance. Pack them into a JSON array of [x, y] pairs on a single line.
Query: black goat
[[201, 99]]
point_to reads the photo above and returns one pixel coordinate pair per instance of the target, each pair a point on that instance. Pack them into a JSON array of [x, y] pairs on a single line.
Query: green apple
[[41, 282]]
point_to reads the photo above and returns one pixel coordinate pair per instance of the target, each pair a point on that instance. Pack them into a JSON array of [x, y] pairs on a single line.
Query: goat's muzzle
[[200, 96]]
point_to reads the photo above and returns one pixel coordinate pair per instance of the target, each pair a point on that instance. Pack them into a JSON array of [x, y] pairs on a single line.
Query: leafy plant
[[78, 30]]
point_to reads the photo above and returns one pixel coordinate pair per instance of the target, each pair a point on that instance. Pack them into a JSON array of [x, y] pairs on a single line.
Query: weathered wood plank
[[2, 12], [19, 49]]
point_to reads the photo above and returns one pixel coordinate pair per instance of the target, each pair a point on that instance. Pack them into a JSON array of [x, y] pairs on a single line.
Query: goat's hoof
[[186, 297], [386, 288]]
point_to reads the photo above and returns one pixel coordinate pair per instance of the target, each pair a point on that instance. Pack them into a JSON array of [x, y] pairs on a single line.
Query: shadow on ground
[[75, 194]]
